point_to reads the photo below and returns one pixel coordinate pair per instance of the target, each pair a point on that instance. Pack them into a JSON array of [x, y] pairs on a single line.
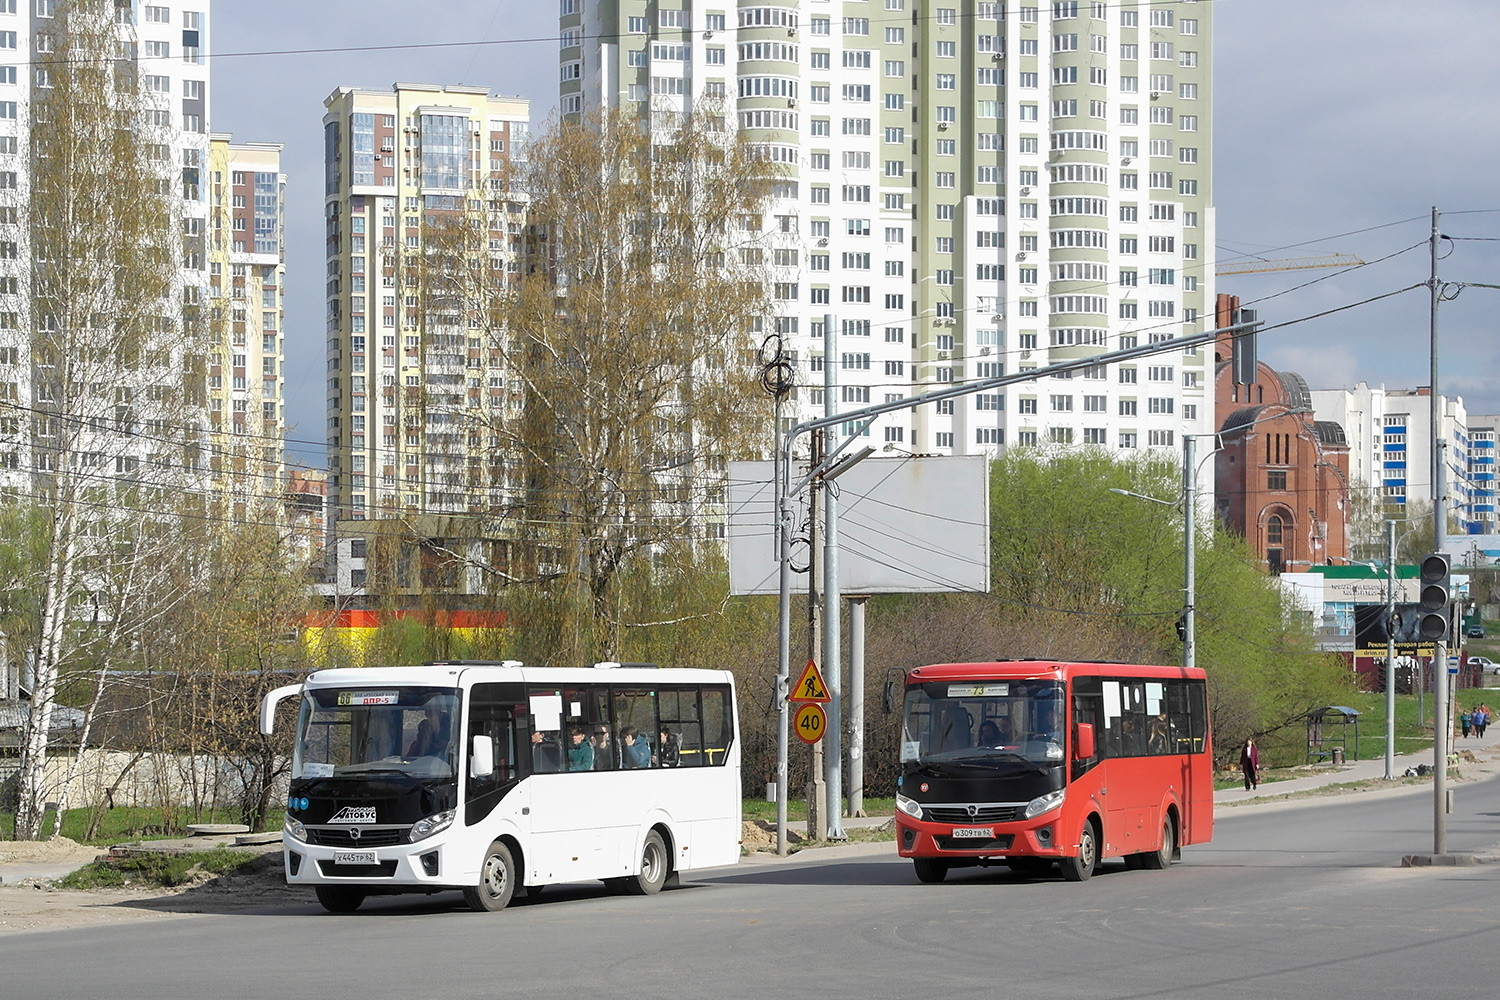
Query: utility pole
[[779, 384], [1440, 711], [833, 760], [815, 785], [1189, 566], [1390, 649], [857, 704]]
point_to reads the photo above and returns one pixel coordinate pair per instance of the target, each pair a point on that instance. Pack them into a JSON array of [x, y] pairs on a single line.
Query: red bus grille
[[961, 816]]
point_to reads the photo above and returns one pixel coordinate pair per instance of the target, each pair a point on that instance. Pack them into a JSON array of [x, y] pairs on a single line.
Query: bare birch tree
[[112, 376], [629, 340]]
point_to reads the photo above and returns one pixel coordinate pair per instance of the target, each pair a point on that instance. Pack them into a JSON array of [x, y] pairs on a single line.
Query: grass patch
[[796, 809], [162, 870], [126, 823]]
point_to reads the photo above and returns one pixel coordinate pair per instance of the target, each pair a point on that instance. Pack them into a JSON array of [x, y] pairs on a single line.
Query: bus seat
[[546, 757]]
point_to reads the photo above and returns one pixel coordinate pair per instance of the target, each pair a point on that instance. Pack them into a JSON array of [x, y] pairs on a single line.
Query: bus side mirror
[[1083, 741], [891, 692], [482, 757]]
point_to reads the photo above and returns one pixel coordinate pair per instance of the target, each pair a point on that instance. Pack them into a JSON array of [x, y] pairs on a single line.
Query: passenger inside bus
[[996, 732], [432, 734], [668, 751], [580, 751], [1046, 727], [606, 750], [636, 751]]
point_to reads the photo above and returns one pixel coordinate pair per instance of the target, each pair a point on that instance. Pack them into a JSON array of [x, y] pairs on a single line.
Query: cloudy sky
[[1339, 125]]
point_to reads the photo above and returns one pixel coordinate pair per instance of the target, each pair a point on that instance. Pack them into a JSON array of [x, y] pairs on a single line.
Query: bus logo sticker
[[354, 814]]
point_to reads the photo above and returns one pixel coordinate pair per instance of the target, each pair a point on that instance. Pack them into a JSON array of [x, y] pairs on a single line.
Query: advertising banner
[[1372, 628]]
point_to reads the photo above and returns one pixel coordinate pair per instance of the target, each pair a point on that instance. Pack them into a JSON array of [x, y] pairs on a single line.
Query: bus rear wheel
[[1079, 867], [653, 868], [339, 898], [497, 881], [1162, 857], [930, 869]]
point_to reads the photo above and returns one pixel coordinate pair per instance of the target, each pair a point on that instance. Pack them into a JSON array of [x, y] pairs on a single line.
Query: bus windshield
[[364, 731], [981, 722]]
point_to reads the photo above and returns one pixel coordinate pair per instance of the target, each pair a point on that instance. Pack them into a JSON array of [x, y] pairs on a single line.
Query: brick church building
[[1281, 476]]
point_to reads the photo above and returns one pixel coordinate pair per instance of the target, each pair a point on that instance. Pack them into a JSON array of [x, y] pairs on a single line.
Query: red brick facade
[[1281, 477]]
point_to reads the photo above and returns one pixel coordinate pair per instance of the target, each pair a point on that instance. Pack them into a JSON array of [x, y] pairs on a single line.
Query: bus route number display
[[810, 722], [369, 697]]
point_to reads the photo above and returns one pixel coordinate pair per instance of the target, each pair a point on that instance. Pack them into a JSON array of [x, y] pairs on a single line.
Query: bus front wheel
[[930, 869], [1079, 867], [497, 880], [653, 868], [339, 898]]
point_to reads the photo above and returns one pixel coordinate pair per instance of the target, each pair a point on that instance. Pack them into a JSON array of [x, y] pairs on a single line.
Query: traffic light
[[1433, 597]]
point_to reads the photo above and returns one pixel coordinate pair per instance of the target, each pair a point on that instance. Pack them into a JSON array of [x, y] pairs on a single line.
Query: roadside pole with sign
[[810, 694]]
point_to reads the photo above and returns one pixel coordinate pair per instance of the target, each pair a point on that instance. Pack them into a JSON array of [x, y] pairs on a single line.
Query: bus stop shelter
[[1328, 734]]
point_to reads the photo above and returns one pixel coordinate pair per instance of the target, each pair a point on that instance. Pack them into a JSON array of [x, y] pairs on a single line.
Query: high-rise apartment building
[[1482, 428], [416, 177], [204, 411], [970, 190], [246, 193], [1390, 438]]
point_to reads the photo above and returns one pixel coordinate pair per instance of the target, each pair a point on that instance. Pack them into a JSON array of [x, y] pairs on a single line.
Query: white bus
[[493, 777]]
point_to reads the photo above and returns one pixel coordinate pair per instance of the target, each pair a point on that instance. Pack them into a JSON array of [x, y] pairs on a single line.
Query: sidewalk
[[1324, 775]]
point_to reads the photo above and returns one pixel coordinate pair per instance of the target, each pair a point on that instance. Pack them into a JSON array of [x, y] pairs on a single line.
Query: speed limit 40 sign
[[810, 722]]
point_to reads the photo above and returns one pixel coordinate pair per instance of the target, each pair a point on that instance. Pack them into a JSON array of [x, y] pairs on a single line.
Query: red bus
[[1031, 763]]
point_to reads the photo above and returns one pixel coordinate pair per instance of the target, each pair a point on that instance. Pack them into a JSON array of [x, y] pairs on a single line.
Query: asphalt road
[[1290, 900]]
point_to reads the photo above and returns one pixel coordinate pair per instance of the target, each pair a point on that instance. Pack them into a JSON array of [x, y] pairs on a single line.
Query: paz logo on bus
[[810, 686], [354, 814]]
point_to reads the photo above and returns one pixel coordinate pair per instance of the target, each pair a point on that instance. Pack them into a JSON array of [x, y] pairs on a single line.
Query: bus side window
[[544, 747], [1198, 715], [681, 733], [718, 729], [636, 709], [1113, 742], [1133, 714], [1180, 715]]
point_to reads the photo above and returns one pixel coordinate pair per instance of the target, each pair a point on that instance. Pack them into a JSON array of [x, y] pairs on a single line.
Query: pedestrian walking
[[1483, 721], [1250, 765], [1466, 720]]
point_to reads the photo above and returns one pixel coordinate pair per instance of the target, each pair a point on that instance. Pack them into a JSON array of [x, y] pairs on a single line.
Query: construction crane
[[1259, 265]]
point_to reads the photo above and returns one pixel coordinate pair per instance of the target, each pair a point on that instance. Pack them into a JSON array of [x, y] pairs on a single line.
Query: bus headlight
[[1043, 803], [911, 807], [295, 829], [429, 825]]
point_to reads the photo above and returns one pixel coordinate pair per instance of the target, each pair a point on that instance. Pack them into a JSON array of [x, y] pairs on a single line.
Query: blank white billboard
[[906, 526]]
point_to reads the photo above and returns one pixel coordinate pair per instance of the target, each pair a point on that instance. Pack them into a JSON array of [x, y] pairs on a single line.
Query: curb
[[1447, 860]]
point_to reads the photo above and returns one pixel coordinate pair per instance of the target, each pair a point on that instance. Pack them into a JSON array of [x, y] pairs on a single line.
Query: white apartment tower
[[167, 47], [246, 383], [410, 379], [973, 189]]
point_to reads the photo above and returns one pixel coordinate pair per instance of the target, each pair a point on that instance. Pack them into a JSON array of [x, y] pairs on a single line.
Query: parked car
[[1485, 664], [1476, 632]]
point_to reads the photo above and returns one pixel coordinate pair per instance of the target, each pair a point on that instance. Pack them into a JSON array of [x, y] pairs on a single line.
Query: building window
[[1276, 480]]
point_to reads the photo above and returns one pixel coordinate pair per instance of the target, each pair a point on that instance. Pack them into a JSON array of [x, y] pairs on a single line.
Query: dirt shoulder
[[36, 904]]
